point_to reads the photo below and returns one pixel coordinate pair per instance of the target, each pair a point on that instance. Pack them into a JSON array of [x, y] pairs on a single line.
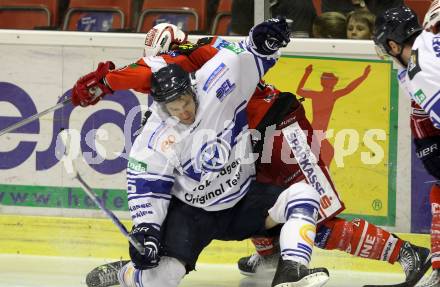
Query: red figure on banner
[[323, 102]]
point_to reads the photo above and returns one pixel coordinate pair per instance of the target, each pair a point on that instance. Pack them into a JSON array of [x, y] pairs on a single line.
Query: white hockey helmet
[[160, 38], [432, 17]]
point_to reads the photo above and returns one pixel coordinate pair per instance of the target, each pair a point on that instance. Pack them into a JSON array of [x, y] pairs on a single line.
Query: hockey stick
[[92, 195], [34, 117], [109, 214]]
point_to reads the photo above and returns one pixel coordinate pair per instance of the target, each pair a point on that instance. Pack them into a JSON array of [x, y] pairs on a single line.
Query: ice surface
[[42, 271]]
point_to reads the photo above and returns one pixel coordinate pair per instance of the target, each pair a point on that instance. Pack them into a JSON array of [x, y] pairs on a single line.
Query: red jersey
[[137, 76]]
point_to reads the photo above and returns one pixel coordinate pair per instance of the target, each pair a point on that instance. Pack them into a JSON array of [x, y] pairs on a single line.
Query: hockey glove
[[90, 88], [148, 236], [428, 150], [267, 37]]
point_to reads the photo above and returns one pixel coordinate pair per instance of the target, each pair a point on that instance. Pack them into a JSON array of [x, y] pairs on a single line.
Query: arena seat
[[28, 14], [188, 15], [420, 7], [222, 20], [98, 15], [317, 4]]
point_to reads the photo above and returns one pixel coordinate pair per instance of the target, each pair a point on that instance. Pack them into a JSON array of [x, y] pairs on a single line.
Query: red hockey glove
[[90, 88]]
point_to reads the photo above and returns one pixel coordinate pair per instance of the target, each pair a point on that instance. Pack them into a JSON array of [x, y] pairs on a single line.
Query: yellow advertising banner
[[352, 105]]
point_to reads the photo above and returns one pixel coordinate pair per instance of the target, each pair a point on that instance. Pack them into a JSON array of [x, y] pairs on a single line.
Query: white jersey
[[422, 77], [206, 164]]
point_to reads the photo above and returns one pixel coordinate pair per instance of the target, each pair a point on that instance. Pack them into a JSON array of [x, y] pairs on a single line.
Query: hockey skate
[[250, 265], [415, 262], [432, 281], [105, 275], [293, 274]]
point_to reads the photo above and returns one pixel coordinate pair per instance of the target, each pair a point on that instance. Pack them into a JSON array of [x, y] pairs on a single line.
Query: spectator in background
[[330, 25], [360, 25], [302, 12]]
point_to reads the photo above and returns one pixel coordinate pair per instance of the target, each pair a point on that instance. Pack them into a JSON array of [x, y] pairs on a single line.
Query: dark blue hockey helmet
[[397, 24], [169, 83]]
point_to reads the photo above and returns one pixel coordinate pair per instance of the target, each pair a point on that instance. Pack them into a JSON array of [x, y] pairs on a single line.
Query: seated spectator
[[330, 25], [302, 12], [360, 25]]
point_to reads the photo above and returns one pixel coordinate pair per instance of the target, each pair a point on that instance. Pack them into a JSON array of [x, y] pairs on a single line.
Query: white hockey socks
[[296, 240], [169, 273], [297, 207]]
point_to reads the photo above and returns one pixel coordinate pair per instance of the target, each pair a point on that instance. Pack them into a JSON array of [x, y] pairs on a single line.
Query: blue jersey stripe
[[158, 186], [148, 196], [130, 172]]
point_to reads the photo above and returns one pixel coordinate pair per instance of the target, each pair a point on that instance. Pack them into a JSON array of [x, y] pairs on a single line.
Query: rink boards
[[99, 238]]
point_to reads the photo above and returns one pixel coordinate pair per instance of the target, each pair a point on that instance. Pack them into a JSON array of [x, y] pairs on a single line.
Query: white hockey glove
[[161, 38], [432, 17]]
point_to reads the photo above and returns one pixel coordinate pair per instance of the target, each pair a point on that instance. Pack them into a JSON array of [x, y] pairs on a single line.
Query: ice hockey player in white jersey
[[399, 35], [191, 175]]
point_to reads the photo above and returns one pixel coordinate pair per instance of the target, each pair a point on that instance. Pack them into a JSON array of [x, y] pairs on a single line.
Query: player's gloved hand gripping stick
[[88, 90]]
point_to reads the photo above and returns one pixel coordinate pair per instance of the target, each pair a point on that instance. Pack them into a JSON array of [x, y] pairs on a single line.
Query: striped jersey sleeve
[[150, 179]]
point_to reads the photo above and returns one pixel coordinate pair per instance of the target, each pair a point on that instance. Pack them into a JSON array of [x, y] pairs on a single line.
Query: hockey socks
[[296, 240], [265, 245], [297, 207], [359, 238], [435, 226]]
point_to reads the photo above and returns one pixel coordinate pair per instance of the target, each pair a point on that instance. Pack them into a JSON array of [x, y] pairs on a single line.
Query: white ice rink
[[33, 271]]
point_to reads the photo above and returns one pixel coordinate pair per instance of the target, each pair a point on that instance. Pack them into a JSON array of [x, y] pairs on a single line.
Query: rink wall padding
[[368, 128], [99, 238]]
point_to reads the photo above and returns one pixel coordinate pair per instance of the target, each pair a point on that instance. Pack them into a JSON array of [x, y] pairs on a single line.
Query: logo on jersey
[[235, 49], [436, 46], [214, 156], [413, 64], [173, 53], [214, 77], [419, 97], [137, 165], [167, 143], [220, 43], [225, 89]]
